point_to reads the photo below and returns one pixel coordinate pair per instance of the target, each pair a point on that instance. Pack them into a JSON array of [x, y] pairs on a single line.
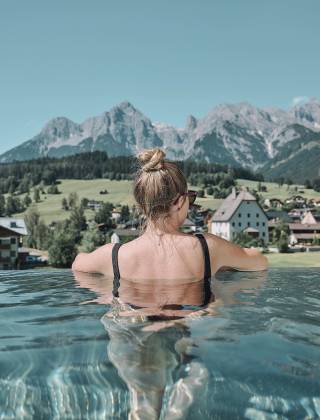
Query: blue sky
[[170, 58]]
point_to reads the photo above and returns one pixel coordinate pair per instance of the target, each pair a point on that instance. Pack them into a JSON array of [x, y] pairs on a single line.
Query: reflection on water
[[66, 352]]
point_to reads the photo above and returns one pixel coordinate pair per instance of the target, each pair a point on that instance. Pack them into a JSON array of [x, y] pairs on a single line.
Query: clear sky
[[170, 58]]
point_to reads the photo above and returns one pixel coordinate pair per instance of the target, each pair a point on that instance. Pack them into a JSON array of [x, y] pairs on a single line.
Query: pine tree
[[2, 205]]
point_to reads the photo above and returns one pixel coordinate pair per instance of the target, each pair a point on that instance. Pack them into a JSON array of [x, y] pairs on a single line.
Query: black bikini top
[[206, 278]]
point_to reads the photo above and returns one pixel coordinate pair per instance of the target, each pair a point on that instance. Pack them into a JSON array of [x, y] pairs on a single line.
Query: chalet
[[116, 214], [298, 214], [273, 203], [94, 205], [240, 213], [303, 233], [297, 199], [11, 233]]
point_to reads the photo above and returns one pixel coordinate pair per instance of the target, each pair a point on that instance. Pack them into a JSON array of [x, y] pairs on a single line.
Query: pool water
[[254, 355]]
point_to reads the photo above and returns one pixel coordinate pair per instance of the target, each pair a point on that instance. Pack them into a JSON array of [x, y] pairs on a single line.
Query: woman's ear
[[181, 201]]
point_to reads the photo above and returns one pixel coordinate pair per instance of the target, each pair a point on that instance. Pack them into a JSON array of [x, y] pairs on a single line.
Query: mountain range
[[270, 140]]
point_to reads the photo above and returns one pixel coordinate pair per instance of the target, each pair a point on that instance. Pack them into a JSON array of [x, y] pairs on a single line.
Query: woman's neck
[[166, 229]]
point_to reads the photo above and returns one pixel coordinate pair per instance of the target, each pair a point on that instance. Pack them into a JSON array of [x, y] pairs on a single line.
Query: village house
[[273, 203], [304, 232], [116, 214], [11, 233], [298, 200], [94, 205], [240, 213]]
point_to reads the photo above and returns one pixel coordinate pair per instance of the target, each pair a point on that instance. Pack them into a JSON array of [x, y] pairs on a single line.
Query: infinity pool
[[255, 355]]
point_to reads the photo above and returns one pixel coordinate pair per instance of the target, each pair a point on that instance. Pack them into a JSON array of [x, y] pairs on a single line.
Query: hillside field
[[120, 192]]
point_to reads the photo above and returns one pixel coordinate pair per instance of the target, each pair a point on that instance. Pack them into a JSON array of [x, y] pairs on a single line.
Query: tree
[[210, 191], [125, 213], [103, 215], [32, 218], [36, 195], [307, 184], [53, 189], [77, 219], [64, 204], [13, 205], [2, 205], [283, 242], [73, 199], [316, 184], [84, 202], [200, 193], [27, 200], [62, 250], [316, 239], [92, 238]]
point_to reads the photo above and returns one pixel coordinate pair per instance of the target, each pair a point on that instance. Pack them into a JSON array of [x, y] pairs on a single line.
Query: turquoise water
[[254, 356]]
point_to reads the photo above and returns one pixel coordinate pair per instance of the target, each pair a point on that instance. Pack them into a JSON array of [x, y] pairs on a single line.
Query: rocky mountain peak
[[191, 123], [60, 127], [307, 113]]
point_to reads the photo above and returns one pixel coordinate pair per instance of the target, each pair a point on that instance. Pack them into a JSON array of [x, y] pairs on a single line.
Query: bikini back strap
[[116, 272], [207, 264], [207, 269]]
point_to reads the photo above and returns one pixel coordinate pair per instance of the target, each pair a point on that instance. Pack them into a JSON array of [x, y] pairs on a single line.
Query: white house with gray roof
[[240, 212]]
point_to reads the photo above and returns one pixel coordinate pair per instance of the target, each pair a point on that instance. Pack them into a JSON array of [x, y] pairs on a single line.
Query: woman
[[162, 251]]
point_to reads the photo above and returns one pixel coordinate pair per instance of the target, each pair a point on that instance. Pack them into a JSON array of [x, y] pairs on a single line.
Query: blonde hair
[[157, 184]]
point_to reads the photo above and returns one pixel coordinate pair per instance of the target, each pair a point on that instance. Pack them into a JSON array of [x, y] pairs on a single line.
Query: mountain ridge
[[239, 134]]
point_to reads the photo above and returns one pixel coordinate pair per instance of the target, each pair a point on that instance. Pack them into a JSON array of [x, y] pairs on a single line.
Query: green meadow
[[283, 192], [120, 192]]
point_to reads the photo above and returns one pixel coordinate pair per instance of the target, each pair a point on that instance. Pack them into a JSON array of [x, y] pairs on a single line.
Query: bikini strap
[[207, 270], [116, 272], [207, 264]]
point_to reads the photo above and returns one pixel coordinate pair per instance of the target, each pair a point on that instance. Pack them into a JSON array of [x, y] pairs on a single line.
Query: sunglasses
[[192, 195]]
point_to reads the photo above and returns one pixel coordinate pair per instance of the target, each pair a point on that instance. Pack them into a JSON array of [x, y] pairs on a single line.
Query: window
[[13, 254], [239, 214], [13, 240], [248, 202], [248, 223], [263, 234], [239, 223], [248, 214], [263, 224], [258, 223], [233, 223], [257, 214]]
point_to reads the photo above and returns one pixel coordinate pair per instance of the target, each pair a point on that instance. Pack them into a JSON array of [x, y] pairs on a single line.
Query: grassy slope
[[120, 192], [280, 192]]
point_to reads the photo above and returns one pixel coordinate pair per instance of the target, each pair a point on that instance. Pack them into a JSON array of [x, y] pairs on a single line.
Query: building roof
[[15, 225], [300, 226], [308, 218], [230, 205], [273, 214]]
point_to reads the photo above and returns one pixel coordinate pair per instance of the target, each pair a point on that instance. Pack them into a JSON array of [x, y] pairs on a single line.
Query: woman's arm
[[229, 255], [97, 261]]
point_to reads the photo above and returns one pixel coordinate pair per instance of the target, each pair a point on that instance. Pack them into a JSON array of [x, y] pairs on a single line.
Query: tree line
[[20, 177]]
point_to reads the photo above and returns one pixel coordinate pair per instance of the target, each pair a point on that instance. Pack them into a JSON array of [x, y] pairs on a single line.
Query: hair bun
[[152, 159]]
